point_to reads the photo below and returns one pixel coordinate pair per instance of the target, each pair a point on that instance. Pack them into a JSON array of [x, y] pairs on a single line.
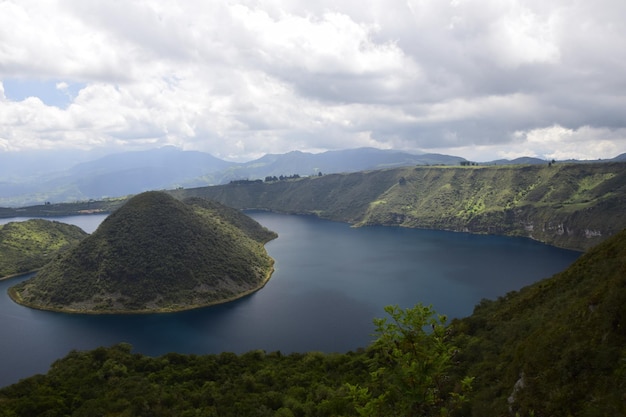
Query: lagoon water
[[330, 281]]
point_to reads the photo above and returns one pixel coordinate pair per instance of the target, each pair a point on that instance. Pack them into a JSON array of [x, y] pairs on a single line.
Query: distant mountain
[[135, 172], [342, 161], [33, 182], [620, 158], [524, 160], [169, 167], [155, 254]]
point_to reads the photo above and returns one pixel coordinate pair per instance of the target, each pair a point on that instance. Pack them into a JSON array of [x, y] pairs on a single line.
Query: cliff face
[[157, 254], [569, 205], [574, 206]]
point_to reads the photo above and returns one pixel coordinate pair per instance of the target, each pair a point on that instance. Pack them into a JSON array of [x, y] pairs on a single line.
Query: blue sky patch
[[57, 93]]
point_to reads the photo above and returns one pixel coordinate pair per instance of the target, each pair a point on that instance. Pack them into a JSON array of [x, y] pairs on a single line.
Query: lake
[[330, 281]]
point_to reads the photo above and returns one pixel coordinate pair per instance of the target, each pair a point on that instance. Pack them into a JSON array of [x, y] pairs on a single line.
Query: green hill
[[28, 245], [155, 254], [571, 205], [555, 348], [568, 205]]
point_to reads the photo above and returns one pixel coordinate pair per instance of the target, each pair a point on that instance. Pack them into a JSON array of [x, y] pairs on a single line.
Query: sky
[[480, 79]]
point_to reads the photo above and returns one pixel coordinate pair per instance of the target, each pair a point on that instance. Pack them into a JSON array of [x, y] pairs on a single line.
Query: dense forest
[[554, 348]]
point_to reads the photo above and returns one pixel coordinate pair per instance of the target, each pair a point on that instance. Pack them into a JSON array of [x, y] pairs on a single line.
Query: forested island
[[155, 254]]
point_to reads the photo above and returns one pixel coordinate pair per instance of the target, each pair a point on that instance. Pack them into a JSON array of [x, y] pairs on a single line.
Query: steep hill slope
[[557, 347], [568, 205], [575, 206], [29, 245], [155, 253]]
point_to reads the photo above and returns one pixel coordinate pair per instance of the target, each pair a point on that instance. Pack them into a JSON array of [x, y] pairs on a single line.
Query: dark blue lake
[[330, 281]]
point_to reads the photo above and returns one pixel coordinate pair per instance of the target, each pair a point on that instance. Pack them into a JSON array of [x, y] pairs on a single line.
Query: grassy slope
[[564, 337], [569, 205], [29, 245], [153, 254], [574, 206]]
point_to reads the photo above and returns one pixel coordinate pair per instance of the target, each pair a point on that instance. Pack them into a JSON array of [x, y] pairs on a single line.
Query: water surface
[[330, 281]]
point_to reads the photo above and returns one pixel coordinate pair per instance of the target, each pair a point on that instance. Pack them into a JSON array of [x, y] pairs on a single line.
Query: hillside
[[569, 205], [134, 172], [574, 206], [154, 254], [555, 348], [29, 245]]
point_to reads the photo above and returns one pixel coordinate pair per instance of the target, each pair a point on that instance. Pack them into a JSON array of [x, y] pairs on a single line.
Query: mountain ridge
[[574, 206], [169, 167], [568, 205]]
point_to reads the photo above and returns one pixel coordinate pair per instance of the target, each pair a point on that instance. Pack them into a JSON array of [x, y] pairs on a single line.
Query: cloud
[[479, 78]]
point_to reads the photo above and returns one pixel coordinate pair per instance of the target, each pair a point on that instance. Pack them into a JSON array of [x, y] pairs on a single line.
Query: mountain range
[[27, 179], [170, 167]]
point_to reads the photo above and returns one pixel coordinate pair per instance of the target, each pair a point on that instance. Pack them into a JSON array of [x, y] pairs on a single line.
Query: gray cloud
[[481, 79]]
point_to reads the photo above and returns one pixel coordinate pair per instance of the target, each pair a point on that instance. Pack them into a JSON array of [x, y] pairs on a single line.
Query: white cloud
[[243, 78]]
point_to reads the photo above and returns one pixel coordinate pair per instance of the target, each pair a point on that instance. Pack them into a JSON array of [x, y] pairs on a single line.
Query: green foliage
[[559, 341], [404, 372], [555, 348], [29, 245], [113, 381], [569, 205], [410, 367], [155, 253]]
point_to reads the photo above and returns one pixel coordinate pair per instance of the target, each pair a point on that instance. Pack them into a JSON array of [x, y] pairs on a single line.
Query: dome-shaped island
[[155, 254]]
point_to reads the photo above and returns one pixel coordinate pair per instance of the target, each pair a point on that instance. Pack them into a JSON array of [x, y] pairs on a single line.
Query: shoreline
[[16, 298], [6, 277]]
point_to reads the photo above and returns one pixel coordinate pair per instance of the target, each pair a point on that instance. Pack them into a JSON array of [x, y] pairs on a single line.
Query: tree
[[411, 360]]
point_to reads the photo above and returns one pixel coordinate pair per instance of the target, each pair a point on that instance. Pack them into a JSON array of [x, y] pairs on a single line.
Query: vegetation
[[113, 381], [155, 253], [410, 367], [569, 205], [555, 348], [575, 206], [28, 245]]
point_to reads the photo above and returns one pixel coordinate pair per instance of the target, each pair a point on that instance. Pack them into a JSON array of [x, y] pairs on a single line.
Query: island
[[155, 254]]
